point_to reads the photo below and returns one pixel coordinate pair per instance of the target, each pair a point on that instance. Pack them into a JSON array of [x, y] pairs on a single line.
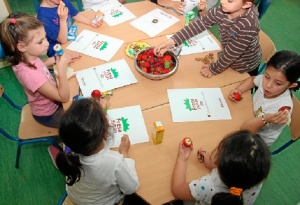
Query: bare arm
[[62, 92], [62, 12], [180, 188], [49, 61], [243, 87]]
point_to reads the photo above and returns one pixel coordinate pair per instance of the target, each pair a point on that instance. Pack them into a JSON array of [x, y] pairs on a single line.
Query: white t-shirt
[[204, 188], [87, 4], [106, 177], [262, 105]]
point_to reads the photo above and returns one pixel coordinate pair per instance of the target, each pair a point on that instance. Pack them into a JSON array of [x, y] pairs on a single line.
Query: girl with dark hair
[[95, 174], [23, 39], [272, 102], [239, 165]]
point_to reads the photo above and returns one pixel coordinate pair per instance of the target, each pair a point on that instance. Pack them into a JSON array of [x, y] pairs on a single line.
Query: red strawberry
[[237, 96], [139, 57], [156, 73], [187, 142], [144, 69], [167, 57], [144, 57], [166, 71], [151, 60], [150, 52], [283, 108], [96, 94], [147, 64]]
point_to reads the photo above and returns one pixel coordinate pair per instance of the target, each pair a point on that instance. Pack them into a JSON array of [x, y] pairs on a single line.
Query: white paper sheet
[[145, 23], [198, 104], [202, 42], [105, 77], [114, 12], [130, 121], [96, 45]]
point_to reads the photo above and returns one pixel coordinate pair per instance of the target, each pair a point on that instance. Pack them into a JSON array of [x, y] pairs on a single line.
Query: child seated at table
[[95, 174], [23, 40], [239, 28], [239, 165], [56, 15], [274, 92], [88, 4], [203, 6]]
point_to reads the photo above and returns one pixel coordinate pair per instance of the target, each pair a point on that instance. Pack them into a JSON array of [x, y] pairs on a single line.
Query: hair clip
[[236, 191], [13, 21]]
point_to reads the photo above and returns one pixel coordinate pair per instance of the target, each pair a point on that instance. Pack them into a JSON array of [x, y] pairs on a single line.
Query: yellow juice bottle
[[158, 132]]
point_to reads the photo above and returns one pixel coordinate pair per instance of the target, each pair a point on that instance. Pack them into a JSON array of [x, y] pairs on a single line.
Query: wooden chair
[[268, 49], [79, 4], [65, 200], [30, 131], [294, 126]]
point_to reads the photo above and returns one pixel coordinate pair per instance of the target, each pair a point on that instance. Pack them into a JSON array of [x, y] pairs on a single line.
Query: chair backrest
[[267, 46], [295, 121], [30, 129]]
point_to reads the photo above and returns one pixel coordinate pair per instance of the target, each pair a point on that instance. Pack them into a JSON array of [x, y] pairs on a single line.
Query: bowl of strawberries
[[154, 67]]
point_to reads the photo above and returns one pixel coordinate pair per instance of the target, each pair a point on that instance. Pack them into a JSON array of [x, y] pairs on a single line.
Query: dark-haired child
[[273, 93], [95, 173], [239, 165]]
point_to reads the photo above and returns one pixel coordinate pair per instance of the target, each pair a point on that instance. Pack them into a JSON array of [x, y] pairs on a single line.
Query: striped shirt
[[239, 38]]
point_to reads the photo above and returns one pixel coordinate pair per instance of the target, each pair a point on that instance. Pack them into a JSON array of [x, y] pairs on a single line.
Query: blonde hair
[[15, 29]]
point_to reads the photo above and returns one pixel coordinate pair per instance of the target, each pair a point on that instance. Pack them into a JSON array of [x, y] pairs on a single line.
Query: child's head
[[236, 6], [243, 161], [282, 73], [23, 38], [83, 128]]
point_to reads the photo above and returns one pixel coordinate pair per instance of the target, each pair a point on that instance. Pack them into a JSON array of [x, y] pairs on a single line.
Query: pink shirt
[[32, 79]]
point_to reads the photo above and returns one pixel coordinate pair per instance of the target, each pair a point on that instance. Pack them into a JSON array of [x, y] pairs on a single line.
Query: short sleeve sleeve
[[201, 189], [257, 80]]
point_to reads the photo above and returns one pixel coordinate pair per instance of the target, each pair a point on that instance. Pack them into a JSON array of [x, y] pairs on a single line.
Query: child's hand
[[62, 12], [62, 63], [231, 95], [162, 48], [97, 24], [184, 152], [279, 118], [206, 72], [181, 6], [202, 5], [124, 146], [75, 56], [204, 158]]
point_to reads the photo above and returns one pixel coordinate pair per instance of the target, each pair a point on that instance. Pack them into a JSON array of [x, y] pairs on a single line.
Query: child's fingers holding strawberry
[[162, 48], [184, 152], [235, 95]]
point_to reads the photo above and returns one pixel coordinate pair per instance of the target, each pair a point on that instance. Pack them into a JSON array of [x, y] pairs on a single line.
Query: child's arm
[[256, 123], [62, 92], [243, 87], [83, 19], [62, 13], [49, 61], [180, 188]]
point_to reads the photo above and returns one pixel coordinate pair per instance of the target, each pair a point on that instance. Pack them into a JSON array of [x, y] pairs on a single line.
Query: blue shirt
[[49, 17]]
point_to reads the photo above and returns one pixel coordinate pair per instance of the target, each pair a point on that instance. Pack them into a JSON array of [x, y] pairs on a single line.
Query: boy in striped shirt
[[239, 28]]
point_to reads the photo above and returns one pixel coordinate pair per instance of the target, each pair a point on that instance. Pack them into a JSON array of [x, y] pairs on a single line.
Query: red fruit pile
[[152, 64]]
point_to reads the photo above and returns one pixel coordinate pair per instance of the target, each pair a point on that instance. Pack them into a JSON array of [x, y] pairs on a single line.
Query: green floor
[[37, 182]]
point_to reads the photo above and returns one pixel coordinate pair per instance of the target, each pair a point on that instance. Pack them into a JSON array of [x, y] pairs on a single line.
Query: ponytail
[[69, 164], [234, 197]]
